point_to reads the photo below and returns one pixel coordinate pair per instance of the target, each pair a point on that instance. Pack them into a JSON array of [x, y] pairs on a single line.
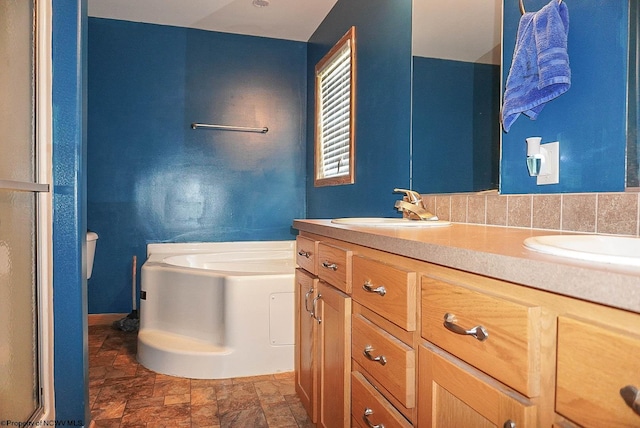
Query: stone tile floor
[[122, 393]]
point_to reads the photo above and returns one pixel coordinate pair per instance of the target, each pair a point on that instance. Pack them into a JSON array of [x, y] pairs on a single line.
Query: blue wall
[[633, 154], [152, 178], [71, 380], [589, 120], [382, 107], [456, 134]]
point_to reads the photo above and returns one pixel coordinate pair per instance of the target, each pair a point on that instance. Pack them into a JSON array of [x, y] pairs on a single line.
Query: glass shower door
[[19, 371]]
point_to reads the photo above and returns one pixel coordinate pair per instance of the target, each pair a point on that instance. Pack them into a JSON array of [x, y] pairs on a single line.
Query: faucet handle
[[414, 197]]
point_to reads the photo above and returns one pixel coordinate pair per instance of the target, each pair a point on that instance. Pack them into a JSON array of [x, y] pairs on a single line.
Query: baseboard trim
[[104, 319]]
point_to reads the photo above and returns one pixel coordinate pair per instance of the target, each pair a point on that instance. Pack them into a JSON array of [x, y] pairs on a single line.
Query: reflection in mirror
[[633, 100], [456, 95]]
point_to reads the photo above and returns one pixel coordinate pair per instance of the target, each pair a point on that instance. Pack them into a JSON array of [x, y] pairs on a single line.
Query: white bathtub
[[217, 310]]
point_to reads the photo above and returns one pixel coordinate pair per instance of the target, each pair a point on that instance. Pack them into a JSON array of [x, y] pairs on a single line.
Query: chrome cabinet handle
[[509, 424], [313, 308], [631, 395], [367, 353], [330, 265], [368, 412], [305, 254], [479, 332], [369, 288], [306, 300]]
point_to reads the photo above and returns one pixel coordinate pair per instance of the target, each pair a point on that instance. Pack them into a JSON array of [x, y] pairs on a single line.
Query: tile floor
[[123, 393]]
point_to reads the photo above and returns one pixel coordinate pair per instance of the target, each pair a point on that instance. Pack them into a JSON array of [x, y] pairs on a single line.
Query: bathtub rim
[[157, 248], [157, 252]]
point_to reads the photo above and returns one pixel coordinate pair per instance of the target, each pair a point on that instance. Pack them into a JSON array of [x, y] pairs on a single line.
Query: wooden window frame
[[349, 178]]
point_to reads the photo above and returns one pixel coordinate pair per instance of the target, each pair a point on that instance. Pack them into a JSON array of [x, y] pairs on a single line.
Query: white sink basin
[[619, 250], [389, 222]]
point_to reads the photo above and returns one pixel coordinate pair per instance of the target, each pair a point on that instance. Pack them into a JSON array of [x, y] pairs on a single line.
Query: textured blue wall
[[71, 380], [589, 120], [152, 178], [382, 107], [456, 134]]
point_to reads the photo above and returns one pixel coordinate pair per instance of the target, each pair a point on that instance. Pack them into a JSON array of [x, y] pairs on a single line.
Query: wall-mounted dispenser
[[543, 161]]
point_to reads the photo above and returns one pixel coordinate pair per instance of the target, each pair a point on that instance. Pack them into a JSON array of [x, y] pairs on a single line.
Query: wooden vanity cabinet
[[460, 349], [323, 333]]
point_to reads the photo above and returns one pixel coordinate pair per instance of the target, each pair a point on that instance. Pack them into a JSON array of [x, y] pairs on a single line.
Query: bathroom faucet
[[413, 208]]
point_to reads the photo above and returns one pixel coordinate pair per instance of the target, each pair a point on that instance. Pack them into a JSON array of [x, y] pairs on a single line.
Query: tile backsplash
[[607, 213]]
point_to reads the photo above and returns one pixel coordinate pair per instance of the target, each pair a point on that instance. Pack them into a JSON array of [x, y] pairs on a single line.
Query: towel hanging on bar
[[540, 69], [262, 130]]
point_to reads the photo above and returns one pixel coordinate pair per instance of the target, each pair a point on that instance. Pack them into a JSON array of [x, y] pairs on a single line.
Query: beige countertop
[[497, 252]]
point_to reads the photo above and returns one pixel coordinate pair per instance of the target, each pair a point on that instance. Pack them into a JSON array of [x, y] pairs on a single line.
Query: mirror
[[456, 95]]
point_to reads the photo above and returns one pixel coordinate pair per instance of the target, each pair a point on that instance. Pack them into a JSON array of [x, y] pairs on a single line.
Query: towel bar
[[262, 130], [523, 11]]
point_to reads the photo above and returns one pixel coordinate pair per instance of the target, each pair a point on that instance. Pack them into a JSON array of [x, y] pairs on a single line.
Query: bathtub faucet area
[[217, 310]]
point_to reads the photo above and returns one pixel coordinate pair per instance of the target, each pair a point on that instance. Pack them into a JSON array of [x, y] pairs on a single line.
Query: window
[[335, 114]]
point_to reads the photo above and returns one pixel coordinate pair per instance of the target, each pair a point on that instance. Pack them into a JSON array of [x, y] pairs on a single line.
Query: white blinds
[[335, 114]]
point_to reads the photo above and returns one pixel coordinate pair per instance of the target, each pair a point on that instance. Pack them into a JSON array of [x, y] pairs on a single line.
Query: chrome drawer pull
[[305, 254], [479, 332], [330, 265], [631, 396], [367, 353], [313, 308], [380, 290], [509, 424], [306, 299], [368, 412]]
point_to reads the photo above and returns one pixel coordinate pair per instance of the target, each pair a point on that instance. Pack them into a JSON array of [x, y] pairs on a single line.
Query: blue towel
[[540, 68]]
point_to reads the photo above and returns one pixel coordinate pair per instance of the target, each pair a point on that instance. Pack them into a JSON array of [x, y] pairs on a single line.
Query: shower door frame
[[43, 262], [44, 225]]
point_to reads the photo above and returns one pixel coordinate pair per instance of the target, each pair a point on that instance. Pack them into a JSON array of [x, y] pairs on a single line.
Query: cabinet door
[[305, 370], [453, 394], [333, 315], [597, 367]]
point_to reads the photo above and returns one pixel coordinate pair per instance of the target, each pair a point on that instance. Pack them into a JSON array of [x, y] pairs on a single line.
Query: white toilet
[[92, 237]]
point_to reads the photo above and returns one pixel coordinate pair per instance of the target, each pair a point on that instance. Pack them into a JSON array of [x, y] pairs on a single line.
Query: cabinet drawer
[[510, 349], [370, 408], [387, 359], [594, 364], [306, 253], [388, 290], [334, 266]]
